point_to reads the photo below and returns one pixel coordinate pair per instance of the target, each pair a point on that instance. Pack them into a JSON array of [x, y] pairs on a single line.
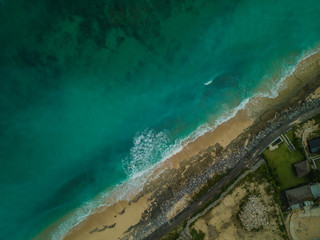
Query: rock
[[254, 214]]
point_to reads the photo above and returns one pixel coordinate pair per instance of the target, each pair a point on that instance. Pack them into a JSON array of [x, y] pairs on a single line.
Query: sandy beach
[[114, 221], [169, 189]]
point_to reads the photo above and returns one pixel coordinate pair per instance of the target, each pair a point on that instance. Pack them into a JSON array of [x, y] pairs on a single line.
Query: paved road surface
[[235, 172]]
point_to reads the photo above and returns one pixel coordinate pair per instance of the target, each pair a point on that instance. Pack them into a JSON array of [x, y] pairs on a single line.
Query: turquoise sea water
[[94, 92]]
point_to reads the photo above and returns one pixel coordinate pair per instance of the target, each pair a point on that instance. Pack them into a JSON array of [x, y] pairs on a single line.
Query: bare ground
[[222, 221]]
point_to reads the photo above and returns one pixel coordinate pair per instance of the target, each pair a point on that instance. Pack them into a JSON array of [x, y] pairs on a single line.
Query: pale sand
[[112, 222], [304, 224], [307, 228], [306, 71], [221, 222], [223, 134]]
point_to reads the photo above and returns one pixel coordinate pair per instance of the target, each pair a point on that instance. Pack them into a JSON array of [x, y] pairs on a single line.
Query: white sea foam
[[150, 145], [78, 216], [208, 83], [308, 53]]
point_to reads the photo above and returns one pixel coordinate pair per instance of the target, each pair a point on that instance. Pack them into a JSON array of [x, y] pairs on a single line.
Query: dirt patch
[[304, 224], [307, 228], [212, 153], [222, 221]]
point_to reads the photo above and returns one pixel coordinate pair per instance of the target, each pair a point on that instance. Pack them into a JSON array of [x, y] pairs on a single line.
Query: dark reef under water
[[93, 92]]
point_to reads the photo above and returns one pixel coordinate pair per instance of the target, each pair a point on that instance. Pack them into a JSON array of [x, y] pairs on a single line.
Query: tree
[[314, 175]]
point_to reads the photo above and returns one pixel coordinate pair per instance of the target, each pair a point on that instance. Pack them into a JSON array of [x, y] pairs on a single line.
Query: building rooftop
[[314, 145], [315, 189], [299, 195], [302, 168]]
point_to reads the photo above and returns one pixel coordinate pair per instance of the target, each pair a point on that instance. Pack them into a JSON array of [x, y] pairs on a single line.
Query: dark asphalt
[[249, 161]]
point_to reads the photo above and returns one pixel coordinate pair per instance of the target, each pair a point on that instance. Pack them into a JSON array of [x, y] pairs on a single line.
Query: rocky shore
[[168, 199], [254, 214], [216, 160]]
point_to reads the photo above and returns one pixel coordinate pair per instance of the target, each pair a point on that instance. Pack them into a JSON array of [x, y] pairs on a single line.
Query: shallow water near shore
[[94, 94]]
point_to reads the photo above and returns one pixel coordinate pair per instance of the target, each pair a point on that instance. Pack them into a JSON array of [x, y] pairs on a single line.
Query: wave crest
[[148, 147]]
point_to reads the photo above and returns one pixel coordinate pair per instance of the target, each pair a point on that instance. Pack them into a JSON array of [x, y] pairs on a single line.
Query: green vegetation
[[282, 229], [260, 175], [280, 165], [290, 135], [314, 175], [256, 176], [197, 235], [297, 141], [298, 144], [173, 235]]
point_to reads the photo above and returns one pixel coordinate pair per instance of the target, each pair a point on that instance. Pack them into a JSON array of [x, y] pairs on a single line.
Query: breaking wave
[[151, 148], [148, 147]]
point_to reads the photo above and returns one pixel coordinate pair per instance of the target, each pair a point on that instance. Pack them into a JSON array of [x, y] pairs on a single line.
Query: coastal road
[[250, 160]]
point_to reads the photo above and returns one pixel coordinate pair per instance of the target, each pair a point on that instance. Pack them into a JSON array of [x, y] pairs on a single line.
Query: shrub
[[314, 175], [197, 235]]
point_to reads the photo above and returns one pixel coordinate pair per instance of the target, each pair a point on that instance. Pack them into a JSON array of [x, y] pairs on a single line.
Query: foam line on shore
[[135, 183]]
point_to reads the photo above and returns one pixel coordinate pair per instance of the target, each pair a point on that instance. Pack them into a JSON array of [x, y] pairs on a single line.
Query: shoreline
[[222, 136], [305, 104]]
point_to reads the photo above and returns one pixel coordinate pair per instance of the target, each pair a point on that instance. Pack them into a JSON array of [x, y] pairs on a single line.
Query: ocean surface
[[92, 93]]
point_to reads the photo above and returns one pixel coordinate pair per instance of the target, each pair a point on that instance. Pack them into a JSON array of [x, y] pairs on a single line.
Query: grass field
[[290, 135], [280, 163]]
